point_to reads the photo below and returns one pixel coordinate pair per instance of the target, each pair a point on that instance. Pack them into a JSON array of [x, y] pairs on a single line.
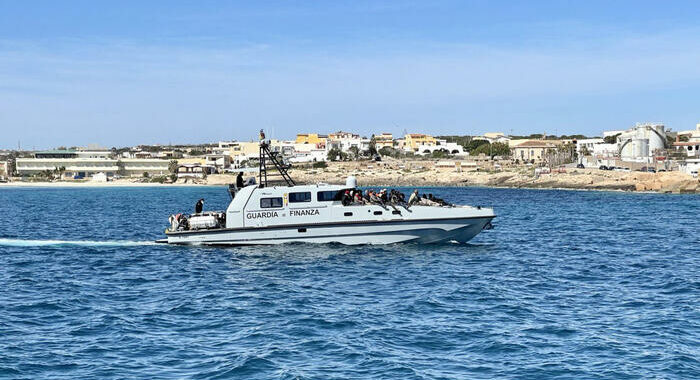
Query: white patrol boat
[[262, 213]]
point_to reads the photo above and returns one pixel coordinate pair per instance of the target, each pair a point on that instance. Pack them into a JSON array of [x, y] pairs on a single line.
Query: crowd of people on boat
[[389, 197]]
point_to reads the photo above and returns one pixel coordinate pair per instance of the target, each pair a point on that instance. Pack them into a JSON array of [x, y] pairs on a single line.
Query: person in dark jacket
[[239, 180], [198, 206], [347, 198]]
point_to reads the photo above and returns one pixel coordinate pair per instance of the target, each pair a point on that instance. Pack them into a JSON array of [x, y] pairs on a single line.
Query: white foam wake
[[84, 243]]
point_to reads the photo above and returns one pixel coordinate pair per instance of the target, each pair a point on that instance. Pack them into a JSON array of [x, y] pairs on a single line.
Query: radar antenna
[[267, 156]]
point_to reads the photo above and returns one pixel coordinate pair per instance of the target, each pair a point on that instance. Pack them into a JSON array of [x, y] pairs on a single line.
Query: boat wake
[[82, 243]]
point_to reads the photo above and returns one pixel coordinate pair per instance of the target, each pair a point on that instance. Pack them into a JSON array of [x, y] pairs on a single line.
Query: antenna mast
[[265, 156]]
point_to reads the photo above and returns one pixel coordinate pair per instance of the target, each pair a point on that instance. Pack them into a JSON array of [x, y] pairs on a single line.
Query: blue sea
[[569, 285]]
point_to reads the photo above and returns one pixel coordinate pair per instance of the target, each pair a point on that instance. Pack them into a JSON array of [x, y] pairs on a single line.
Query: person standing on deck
[[198, 206], [239, 180]]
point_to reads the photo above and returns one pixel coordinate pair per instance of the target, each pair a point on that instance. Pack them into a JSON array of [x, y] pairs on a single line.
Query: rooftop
[[57, 151], [536, 144]]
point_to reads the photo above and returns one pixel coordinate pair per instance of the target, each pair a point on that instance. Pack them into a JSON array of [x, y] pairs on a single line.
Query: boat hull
[[389, 232]]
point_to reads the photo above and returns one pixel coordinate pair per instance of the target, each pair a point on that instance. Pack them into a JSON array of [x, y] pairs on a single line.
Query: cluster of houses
[[643, 144], [314, 147]]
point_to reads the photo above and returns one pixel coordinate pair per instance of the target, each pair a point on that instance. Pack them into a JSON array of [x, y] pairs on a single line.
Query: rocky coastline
[[429, 173]]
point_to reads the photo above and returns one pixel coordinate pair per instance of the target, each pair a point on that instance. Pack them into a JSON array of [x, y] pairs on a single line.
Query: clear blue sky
[[120, 73]]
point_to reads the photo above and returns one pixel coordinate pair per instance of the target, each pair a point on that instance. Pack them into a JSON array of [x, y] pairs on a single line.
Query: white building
[[690, 166], [493, 137], [219, 161], [88, 163], [347, 142], [99, 177], [194, 171], [449, 147], [605, 150], [587, 144], [308, 153], [143, 155], [284, 147], [691, 148], [347, 145], [640, 143], [169, 154], [612, 133]]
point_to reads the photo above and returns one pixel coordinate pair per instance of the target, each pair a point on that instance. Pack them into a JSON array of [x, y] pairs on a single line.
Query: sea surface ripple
[[568, 285]]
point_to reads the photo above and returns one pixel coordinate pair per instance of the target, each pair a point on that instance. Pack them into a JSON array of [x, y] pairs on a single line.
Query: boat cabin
[[308, 204]]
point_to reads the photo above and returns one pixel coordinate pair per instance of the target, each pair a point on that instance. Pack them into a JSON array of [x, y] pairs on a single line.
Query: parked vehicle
[[580, 166], [603, 167]]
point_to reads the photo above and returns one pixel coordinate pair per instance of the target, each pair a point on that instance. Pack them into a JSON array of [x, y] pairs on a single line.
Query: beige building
[[384, 140], [312, 138], [532, 150], [4, 169], [415, 140], [245, 149], [201, 160], [494, 135]]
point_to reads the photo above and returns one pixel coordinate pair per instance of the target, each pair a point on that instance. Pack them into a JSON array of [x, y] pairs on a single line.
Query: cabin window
[[327, 196], [377, 213], [348, 214], [270, 202], [300, 197]]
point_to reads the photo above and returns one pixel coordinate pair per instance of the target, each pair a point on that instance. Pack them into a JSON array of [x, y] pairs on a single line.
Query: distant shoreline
[[427, 174], [103, 185], [96, 184]]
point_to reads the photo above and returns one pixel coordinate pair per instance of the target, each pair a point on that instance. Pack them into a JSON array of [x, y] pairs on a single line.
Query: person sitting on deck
[[346, 199], [357, 198], [437, 200], [383, 196], [374, 198], [396, 197], [426, 200], [414, 198], [402, 197], [367, 196]]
